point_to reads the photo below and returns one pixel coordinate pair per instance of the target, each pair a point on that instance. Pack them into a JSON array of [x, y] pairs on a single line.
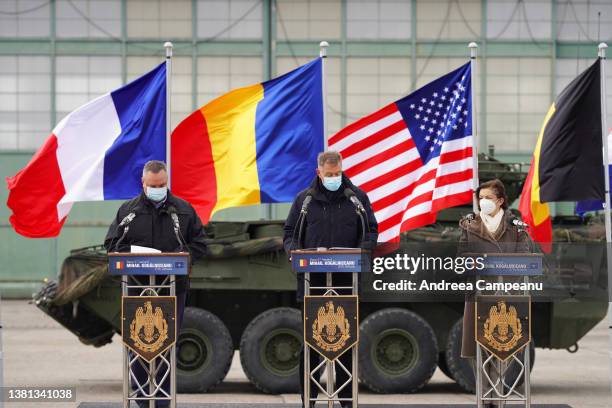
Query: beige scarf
[[492, 223]]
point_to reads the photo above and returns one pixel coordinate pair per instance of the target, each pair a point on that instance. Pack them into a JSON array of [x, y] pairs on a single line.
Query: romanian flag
[[567, 163], [253, 145]]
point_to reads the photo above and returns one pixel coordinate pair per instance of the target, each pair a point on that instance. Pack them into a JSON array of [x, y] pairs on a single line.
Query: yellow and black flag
[[567, 162]]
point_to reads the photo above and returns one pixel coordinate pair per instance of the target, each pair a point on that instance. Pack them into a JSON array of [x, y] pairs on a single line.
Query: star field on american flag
[[438, 112]]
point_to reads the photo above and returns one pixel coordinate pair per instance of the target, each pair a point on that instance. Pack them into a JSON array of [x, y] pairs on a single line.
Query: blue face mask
[[156, 194], [332, 183]]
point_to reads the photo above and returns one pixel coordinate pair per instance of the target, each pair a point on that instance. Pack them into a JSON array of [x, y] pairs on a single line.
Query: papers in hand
[[143, 249]]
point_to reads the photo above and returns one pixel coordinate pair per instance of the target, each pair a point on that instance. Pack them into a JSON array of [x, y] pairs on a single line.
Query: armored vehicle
[[242, 298]]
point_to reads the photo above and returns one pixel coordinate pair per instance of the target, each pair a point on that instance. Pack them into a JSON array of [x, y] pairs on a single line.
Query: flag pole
[[168, 47], [475, 140], [323, 45], [604, 138]]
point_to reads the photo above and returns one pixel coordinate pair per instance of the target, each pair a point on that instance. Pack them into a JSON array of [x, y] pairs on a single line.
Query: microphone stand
[[125, 231], [363, 225], [177, 231], [359, 208], [301, 227], [301, 218]]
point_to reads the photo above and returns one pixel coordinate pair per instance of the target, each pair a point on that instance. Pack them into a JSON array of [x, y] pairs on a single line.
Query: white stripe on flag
[[367, 131], [83, 137], [385, 167], [393, 140]]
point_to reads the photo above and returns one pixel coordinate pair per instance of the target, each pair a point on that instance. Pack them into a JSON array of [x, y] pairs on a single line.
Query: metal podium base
[[328, 396], [491, 383], [143, 380]]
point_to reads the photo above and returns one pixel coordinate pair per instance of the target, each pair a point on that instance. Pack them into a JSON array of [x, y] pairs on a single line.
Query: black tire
[[204, 351], [270, 350], [461, 368], [398, 351], [443, 366]]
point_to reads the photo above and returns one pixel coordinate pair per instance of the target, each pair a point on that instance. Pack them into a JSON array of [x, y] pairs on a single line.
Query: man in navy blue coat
[[331, 221]]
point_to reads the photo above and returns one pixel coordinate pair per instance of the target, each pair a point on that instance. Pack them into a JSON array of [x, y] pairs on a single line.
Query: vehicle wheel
[[270, 350], [461, 368], [443, 366], [204, 351], [398, 351]]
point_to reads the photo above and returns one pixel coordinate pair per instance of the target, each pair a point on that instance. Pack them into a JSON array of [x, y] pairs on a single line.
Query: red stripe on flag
[[391, 175], [193, 166], [363, 122], [454, 178], [390, 222], [418, 221], [373, 139], [380, 157], [396, 218], [35, 192], [420, 199], [456, 155], [452, 200], [402, 193]]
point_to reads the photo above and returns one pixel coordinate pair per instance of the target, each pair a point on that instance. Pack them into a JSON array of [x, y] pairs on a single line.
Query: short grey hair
[[154, 166], [329, 156]]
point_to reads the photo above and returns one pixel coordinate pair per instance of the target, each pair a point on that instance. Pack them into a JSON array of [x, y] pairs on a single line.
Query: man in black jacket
[[331, 221], [152, 226]]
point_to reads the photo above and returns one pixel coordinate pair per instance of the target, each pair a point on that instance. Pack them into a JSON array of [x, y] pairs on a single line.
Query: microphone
[[518, 223], [127, 219], [350, 194], [470, 216], [307, 201], [124, 223], [176, 226], [175, 220]]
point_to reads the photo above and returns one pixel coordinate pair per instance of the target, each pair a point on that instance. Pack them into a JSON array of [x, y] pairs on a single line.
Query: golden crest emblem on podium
[[331, 328], [148, 324], [149, 329], [503, 327], [330, 324], [503, 324]]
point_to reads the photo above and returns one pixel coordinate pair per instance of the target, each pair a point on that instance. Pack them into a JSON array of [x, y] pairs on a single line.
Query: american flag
[[414, 156]]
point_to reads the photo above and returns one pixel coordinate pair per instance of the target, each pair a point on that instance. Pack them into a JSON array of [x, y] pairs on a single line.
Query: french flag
[[95, 153]]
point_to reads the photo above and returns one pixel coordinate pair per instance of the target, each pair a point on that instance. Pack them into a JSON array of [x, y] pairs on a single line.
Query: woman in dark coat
[[490, 231]]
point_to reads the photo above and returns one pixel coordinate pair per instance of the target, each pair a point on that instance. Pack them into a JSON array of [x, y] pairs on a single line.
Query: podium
[[148, 323], [503, 329], [331, 320]]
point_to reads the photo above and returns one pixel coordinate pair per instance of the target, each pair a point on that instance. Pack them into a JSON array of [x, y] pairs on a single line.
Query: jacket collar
[[477, 227]]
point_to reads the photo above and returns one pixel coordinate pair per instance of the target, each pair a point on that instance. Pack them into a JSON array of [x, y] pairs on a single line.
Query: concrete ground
[[39, 352]]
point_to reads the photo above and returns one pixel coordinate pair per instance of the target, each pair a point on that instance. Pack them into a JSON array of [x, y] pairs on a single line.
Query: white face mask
[[487, 206], [156, 194]]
